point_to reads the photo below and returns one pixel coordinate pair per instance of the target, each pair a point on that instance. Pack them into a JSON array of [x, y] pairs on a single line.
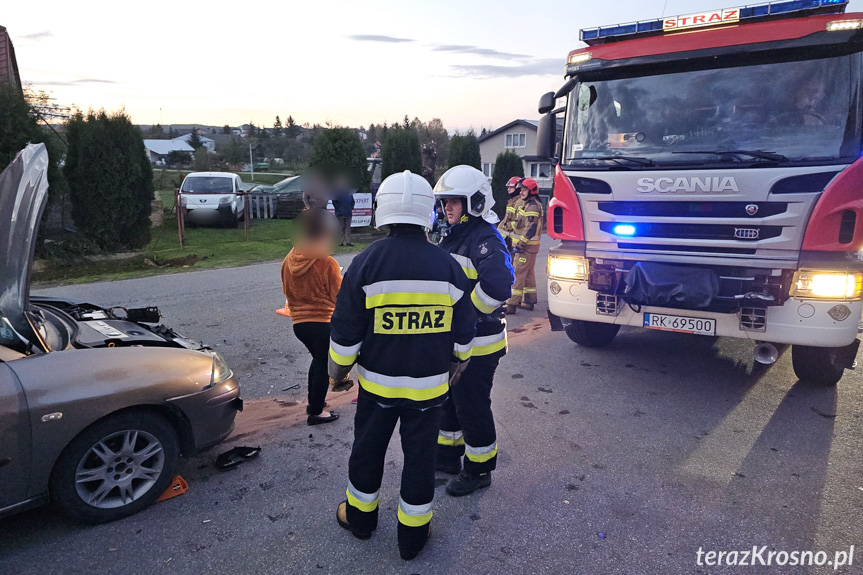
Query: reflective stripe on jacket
[[480, 251], [403, 315]]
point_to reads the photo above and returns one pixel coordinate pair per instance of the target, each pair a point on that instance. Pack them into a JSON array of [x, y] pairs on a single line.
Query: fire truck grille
[[689, 231], [753, 319], [694, 209]]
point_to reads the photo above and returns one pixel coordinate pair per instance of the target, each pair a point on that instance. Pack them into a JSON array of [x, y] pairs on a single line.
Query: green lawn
[[204, 248]]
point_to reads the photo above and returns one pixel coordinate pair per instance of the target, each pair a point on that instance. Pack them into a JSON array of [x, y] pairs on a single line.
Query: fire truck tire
[[591, 333], [819, 365]]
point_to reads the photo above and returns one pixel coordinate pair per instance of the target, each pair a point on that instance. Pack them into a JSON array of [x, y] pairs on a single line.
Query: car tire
[[821, 366], [131, 458], [591, 333]]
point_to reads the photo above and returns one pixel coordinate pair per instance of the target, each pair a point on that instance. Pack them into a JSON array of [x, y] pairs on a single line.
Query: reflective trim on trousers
[[466, 265], [344, 355], [489, 344], [480, 454], [450, 438], [403, 387], [411, 292], [366, 502], [414, 515]]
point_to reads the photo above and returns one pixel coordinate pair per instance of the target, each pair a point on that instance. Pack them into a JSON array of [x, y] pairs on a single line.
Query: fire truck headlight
[[810, 284], [567, 267]]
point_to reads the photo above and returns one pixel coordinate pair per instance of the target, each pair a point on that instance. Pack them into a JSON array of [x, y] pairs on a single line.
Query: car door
[[15, 438]]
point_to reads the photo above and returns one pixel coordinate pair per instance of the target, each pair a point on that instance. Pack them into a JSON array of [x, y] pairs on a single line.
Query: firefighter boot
[[466, 483], [342, 518], [511, 309], [412, 540], [527, 306]]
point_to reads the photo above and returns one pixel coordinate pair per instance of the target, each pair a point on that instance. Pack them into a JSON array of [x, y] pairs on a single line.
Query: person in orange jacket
[[311, 280]]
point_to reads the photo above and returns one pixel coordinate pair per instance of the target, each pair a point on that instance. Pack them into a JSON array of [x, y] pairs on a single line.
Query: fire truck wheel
[[591, 333], [819, 365]]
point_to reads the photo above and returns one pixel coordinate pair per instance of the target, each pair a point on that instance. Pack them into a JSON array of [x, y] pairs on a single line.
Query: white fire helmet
[[469, 183], [405, 198]]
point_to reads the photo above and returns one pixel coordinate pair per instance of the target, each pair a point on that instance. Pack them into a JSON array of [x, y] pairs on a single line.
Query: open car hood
[[23, 192]]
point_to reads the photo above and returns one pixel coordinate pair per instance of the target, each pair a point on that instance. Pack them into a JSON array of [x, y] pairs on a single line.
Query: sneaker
[[466, 483], [412, 540], [342, 518], [449, 465]]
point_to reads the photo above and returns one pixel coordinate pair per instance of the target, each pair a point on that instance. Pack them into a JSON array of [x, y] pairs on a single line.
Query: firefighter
[[514, 199], [468, 424], [405, 317], [526, 235]]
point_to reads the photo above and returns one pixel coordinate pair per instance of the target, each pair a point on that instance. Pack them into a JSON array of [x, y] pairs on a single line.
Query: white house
[[209, 143], [158, 150], [518, 136]]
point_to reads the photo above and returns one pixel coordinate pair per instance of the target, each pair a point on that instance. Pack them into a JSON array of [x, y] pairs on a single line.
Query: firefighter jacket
[[479, 249], [527, 230], [505, 226], [403, 315]]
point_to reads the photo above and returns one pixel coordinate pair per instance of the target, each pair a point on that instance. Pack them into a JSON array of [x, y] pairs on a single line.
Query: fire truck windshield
[[796, 113]]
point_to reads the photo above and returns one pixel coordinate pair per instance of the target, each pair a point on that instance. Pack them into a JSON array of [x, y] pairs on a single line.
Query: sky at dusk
[[471, 63]]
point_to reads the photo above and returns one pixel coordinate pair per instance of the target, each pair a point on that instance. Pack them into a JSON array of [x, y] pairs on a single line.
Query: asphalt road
[[623, 460]]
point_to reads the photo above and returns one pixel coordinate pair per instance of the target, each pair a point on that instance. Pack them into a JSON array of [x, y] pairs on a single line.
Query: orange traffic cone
[[284, 311]]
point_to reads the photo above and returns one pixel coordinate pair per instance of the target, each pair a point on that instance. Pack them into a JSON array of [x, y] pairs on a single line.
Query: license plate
[[680, 324]]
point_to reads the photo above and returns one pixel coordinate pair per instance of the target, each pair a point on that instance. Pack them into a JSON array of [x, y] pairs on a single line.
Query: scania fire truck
[[709, 181]]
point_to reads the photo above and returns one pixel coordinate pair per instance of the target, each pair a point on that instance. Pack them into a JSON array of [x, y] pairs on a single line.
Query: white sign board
[[362, 210]]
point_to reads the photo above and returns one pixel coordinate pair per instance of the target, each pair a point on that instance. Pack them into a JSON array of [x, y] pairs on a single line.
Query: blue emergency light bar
[[594, 36]]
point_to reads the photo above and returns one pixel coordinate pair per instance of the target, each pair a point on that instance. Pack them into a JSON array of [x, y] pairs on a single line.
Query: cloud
[[544, 67], [37, 35], [464, 49], [378, 38], [73, 82]]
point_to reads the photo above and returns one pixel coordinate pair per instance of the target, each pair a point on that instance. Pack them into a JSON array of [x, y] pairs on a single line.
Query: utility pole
[[252, 161]]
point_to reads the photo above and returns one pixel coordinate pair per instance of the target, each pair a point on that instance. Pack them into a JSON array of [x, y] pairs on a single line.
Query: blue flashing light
[[627, 230]]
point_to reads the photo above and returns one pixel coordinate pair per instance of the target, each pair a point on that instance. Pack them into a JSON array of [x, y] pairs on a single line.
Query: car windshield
[[208, 185], [804, 111]]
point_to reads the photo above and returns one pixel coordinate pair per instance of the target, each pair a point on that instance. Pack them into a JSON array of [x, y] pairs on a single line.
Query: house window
[[488, 170], [516, 140], [540, 170]]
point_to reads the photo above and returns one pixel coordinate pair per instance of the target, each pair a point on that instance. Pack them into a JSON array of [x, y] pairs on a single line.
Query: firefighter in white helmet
[[473, 241], [404, 316]]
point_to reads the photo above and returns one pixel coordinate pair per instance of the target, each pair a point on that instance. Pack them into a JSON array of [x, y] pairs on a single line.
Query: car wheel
[[115, 468], [819, 365], [591, 333]]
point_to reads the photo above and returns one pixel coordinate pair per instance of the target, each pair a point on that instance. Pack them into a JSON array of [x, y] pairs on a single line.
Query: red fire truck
[[709, 181]]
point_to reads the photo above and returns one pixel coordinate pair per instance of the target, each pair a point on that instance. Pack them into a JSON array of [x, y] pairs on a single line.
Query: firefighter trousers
[[468, 423], [373, 427], [524, 288]]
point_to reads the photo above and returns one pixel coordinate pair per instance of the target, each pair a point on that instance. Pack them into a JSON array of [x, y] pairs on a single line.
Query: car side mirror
[[546, 103]]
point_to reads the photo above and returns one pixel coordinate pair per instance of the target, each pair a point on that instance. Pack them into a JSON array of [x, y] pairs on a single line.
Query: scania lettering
[[708, 181]]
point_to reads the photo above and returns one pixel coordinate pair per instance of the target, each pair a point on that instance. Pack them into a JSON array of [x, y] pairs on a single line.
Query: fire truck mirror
[[546, 136], [546, 103]]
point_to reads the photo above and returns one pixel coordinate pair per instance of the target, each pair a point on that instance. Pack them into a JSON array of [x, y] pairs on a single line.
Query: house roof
[[165, 147], [187, 137], [531, 124]]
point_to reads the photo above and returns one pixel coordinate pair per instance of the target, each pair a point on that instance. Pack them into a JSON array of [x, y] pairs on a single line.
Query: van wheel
[[115, 468], [822, 366], [591, 333]]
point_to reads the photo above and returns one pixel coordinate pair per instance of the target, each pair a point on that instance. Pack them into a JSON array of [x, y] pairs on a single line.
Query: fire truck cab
[[709, 181]]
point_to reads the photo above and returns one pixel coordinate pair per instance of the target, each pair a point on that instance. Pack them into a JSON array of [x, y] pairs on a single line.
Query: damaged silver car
[[96, 405]]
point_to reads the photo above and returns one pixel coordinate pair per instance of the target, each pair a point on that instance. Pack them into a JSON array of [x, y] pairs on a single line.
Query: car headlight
[[827, 285], [221, 371], [225, 200], [567, 267]]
